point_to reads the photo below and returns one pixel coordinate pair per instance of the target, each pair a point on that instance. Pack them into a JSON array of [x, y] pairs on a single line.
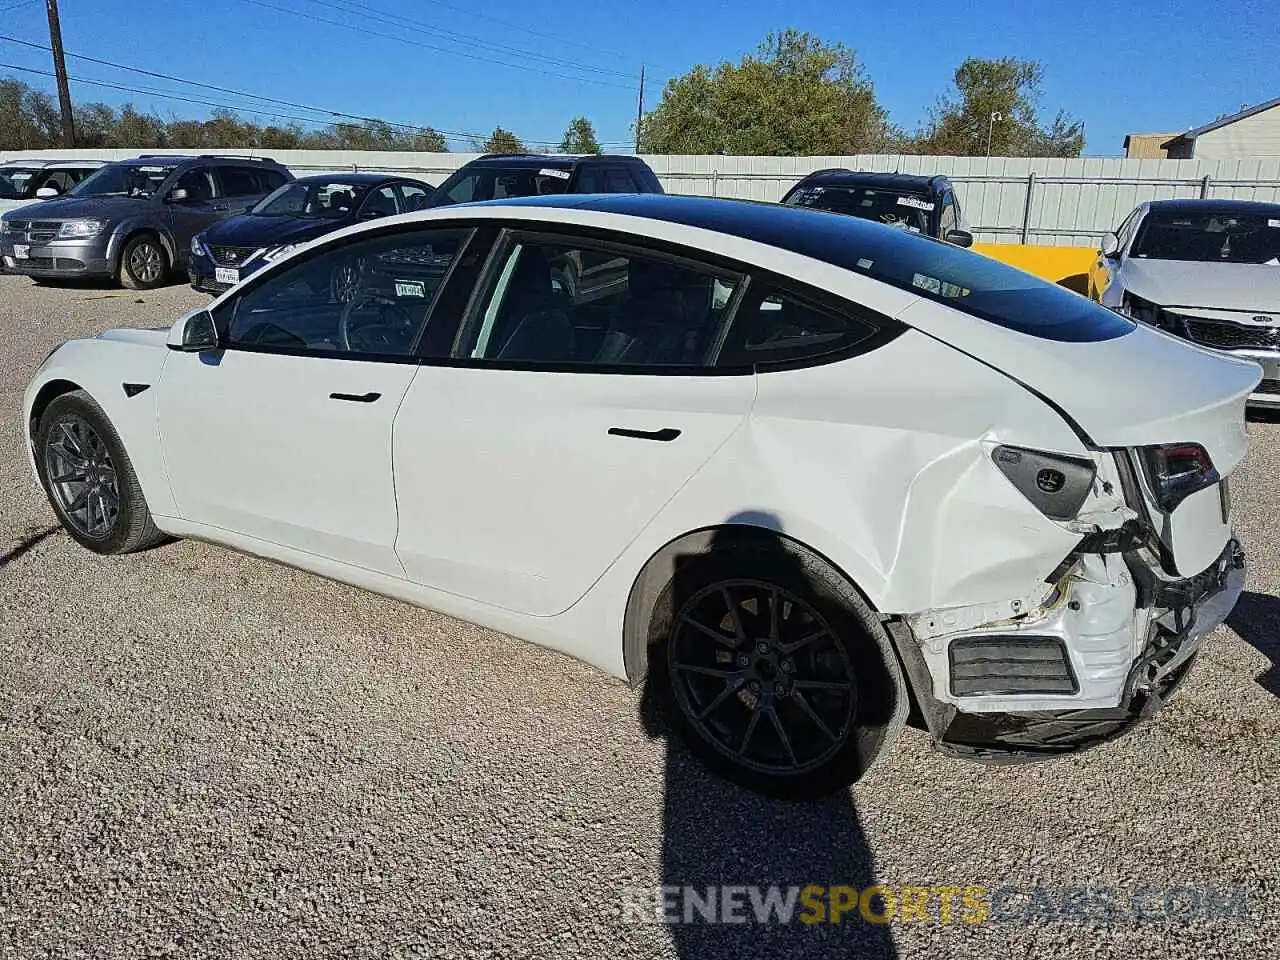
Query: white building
[[1251, 133]]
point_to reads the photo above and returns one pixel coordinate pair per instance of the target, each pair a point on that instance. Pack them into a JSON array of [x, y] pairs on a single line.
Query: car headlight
[[275, 253], [197, 247], [80, 229]]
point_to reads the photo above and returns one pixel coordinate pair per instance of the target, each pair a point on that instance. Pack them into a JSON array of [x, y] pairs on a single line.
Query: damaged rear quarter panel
[[894, 481]]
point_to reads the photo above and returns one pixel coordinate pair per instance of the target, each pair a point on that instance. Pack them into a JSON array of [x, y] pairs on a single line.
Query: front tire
[[144, 265], [779, 674], [89, 478]]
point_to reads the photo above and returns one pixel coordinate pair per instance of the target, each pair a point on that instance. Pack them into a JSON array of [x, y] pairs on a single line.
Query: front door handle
[[665, 435], [355, 397]]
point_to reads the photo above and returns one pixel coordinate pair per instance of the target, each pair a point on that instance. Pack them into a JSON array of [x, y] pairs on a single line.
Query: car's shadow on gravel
[[28, 543], [1256, 619], [717, 835]]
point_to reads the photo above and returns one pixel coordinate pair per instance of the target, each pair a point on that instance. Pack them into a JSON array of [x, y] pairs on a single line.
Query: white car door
[[285, 434], [577, 403]]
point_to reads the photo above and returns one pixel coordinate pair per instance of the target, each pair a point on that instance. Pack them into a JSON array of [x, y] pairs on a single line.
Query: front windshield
[[1210, 238], [123, 180], [472, 186], [318, 200], [15, 181], [906, 211]]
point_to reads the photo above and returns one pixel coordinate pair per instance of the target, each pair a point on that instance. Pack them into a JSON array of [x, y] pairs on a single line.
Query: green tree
[[502, 141], [1008, 90], [580, 137], [795, 95]]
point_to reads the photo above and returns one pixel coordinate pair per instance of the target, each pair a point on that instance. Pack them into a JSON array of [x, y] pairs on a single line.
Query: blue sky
[[1136, 66]]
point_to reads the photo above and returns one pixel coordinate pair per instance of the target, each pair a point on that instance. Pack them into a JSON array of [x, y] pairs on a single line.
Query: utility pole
[[990, 124], [640, 108], [60, 68]]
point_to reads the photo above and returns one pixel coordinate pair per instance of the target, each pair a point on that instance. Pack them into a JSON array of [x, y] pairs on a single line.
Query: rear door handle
[[666, 435], [355, 397]]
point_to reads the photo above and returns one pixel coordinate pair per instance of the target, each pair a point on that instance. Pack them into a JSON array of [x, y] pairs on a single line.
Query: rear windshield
[[496, 183], [902, 209], [988, 289], [1210, 238]]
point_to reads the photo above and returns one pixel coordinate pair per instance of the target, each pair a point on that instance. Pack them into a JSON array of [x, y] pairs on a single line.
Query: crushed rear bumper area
[[1192, 607]]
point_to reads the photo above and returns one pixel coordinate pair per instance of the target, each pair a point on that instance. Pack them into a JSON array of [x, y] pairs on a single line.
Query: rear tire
[[780, 676], [89, 478], [144, 265]]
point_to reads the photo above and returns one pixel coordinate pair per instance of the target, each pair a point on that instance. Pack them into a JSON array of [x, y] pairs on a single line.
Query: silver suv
[[133, 220]]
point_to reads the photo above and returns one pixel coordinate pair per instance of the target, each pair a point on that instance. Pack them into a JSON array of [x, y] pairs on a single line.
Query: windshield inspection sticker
[[558, 174], [411, 288], [915, 202]]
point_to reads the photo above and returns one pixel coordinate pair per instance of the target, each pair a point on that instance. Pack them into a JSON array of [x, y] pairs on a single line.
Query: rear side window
[[237, 181], [777, 326], [269, 180]]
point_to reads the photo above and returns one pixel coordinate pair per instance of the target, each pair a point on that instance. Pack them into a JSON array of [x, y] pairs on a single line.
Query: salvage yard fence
[[1052, 202]]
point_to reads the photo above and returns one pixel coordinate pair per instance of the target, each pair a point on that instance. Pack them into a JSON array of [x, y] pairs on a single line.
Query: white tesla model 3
[[798, 469]]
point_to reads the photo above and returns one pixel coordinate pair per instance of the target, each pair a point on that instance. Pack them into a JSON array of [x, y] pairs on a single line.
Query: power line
[[453, 36], [417, 44], [168, 95]]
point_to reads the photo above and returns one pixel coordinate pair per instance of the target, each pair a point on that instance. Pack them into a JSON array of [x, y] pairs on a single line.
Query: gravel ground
[[206, 755]]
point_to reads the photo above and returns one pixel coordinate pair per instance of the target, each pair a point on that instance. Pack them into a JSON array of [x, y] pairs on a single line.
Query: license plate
[[226, 275], [21, 251]]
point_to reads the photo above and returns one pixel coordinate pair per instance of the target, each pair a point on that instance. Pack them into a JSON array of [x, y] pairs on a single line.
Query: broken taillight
[[1177, 470]]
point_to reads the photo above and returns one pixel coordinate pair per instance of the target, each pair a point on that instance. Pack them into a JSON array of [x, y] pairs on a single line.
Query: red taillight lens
[[1177, 470]]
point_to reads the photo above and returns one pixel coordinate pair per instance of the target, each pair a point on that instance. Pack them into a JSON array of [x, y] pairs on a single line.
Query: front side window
[[1210, 237], [137, 180], [198, 184], [312, 199], [554, 302], [414, 197], [904, 210], [362, 299], [620, 181], [269, 180], [947, 221], [381, 203], [497, 183]]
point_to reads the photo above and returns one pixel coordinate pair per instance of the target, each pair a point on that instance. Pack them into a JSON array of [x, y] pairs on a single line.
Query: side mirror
[[178, 195], [961, 238], [194, 334], [44, 193], [1110, 246]]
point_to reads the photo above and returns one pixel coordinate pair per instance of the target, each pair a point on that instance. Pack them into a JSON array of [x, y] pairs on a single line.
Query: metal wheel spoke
[[110, 498], [782, 735], [71, 443], [75, 476], [81, 499], [801, 699], [751, 728], [93, 500], [705, 671], [774, 602], [710, 632], [720, 698], [733, 612], [790, 648]]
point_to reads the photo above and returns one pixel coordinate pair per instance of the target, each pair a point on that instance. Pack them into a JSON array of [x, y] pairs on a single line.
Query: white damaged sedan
[[797, 469]]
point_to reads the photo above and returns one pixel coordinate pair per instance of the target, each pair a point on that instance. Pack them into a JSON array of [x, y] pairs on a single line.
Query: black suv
[[498, 175], [924, 205], [133, 220]]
